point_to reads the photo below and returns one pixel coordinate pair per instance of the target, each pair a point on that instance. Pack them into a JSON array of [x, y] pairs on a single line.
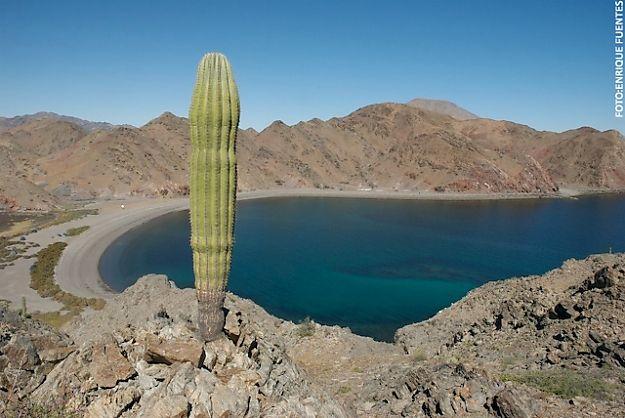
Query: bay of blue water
[[375, 265]]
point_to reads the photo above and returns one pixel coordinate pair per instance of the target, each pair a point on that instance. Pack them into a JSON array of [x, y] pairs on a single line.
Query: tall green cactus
[[214, 120]]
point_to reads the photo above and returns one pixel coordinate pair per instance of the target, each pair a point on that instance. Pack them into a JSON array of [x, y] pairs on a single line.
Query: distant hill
[[387, 146], [7, 123], [444, 107]]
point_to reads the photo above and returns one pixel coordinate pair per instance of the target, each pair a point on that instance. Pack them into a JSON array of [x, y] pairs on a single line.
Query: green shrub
[[27, 408], [563, 383], [72, 232], [42, 272], [344, 390], [418, 356], [42, 280], [306, 328], [56, 318], [11, 250], [69, 215]]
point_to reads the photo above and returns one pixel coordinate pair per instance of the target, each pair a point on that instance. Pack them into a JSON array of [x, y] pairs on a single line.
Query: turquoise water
[[375, 265]]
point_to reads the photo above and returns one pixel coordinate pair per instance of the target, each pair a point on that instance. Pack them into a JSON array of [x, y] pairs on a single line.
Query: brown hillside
[[385, 147]]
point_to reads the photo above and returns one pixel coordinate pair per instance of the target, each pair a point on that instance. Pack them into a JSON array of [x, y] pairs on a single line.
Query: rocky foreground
[[548, 346]]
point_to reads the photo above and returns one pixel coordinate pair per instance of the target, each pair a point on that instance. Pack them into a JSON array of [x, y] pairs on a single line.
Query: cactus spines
[[213, 120]]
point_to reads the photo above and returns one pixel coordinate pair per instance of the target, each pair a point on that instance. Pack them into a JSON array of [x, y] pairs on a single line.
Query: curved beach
[[77, 271]]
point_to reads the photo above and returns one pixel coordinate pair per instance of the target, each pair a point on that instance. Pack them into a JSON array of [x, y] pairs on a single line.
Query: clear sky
[[547, 64]]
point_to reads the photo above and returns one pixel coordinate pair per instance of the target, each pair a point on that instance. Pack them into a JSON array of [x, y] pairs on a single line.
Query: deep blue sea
[[375, 265]]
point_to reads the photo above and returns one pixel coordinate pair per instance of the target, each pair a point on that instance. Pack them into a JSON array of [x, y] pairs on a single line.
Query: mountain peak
[[276, 125], [89, 126], [442, 106], [167, 114], [167, 119], [250, 131]]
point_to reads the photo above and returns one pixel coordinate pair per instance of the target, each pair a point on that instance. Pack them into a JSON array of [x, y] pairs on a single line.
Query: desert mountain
[[7, 123], [444, 107], [391, 147]]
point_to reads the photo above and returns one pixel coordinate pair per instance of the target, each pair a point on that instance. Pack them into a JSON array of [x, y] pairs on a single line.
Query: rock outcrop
[[562, 316], [141, 357], [549, 345]]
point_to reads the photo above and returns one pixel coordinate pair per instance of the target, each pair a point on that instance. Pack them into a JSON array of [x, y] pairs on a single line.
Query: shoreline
[[85, 263], [77, 271], [382, 194]]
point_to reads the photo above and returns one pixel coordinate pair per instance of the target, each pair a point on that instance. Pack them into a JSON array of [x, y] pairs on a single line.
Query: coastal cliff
[[550, 345]]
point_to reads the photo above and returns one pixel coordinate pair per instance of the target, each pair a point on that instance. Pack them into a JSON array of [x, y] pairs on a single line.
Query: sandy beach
[[77, 271]]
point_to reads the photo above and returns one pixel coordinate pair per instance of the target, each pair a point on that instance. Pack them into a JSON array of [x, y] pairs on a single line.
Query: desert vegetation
[[69, 215], [42, 280], [72, 232], [11, 250], [306, 328], [214, 121], [16, 224], [564, 383]]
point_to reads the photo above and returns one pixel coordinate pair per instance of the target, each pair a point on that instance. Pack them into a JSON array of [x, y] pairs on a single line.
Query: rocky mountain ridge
[[89, 126], [551, 345], [442, 106], [387, 147]]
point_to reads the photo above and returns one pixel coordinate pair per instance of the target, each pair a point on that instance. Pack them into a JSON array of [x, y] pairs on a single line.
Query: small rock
[[210, 358], [157, 371], [606, 277], [200, 411], [173, 351], [510, 403], [552, 357], [55, 354], [4, 362], [595, 337], [112, 404], [108, 365], [245, 379], [564, 346], [619, 356], [443, 404], [473, 396], [228, 403], [19, 380], [367, 406], [232, 325], [562, 310], [223, 348], [21, 353], [174, 406]]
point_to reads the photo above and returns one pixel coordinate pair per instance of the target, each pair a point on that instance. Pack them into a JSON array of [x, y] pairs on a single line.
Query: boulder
[[113, 403], [158, 350], [108, 366], [21, 353], [511, 403]]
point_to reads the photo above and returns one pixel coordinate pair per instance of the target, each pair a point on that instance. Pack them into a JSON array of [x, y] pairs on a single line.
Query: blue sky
[[547, 64]]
